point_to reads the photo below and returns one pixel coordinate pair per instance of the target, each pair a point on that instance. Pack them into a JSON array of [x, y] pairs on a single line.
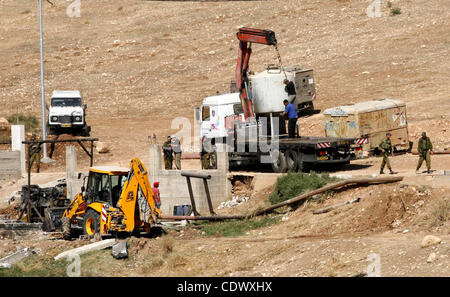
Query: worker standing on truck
[[290, 90], [386, 148], [156, 194], [291, 113], [35, 153], [176, 147], [168, 153], [425, 147]]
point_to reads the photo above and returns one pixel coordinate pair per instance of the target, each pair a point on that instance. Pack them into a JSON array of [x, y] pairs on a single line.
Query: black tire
[[279, 165], [66, 228], [291, 159], [91, 222]]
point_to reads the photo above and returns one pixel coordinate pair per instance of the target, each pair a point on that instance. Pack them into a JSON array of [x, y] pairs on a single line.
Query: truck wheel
[[91, 223], [291, 159], [279, 164], [66, 229]]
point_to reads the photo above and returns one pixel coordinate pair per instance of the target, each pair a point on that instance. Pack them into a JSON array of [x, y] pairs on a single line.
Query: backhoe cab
[[114, 200]]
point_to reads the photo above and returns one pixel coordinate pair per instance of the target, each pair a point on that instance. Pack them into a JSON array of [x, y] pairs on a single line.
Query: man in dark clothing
[[168, 153], [425, 147], [206, 153], [290, 90], [291, 113], [35, 154]]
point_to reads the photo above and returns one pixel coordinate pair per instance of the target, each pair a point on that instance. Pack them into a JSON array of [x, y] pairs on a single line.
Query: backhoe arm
[[137, 194]]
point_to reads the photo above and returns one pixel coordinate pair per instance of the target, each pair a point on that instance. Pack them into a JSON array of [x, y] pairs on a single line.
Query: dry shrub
[[441, 213], [167, 244], [177, 261]]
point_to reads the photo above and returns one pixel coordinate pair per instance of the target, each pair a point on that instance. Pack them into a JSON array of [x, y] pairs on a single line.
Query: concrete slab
[[17, 256], [19, 225], [71, 170], [100, 245]]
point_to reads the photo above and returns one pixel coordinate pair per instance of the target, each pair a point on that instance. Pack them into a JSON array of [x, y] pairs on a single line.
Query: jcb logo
[[130, 196]]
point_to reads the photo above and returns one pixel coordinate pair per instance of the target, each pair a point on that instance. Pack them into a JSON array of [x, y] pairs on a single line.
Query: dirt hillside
[[139, 64]]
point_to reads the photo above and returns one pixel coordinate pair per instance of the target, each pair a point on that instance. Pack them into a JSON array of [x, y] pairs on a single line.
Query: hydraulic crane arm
[[245, 36]]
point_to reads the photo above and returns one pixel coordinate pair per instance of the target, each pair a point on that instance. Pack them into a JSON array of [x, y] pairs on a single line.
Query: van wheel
[[279, 164], [91, 223], [291, 160]]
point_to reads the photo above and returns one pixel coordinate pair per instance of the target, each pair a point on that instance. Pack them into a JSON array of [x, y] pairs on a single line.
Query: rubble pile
[[235, 201]]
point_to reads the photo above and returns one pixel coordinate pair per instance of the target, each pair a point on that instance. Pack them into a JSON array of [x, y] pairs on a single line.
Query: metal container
[[372, 120], [268, 90]]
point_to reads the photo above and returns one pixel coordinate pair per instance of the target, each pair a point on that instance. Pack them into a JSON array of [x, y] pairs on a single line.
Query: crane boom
[[245, 36]]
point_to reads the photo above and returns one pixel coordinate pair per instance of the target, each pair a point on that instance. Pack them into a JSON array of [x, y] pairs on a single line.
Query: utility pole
[[45, 159]]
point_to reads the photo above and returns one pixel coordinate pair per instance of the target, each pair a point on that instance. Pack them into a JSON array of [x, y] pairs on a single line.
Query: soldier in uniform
[[176, 147], [386, 148], [168, 153], [206, 153], [425, 147], [35, 153]]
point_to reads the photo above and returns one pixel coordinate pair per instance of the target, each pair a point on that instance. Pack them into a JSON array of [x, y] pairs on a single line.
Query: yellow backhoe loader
[[115, 200]]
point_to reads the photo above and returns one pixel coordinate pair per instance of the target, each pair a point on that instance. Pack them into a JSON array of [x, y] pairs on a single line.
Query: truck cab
[[215, 110], [66, 114]]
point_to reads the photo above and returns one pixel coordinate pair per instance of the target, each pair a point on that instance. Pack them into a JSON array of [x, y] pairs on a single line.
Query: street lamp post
[[45, 159]]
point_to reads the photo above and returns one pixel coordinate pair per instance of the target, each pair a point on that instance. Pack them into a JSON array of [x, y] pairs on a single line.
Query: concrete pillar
[[222, 156], [71, 171], [17, 136], [155, 161]]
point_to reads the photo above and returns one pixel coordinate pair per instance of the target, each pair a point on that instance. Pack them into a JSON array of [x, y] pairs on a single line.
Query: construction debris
[[5, 265], [19, 225], [87, 248], [235, 201], [119, 250], [330, 208], [16, 257]]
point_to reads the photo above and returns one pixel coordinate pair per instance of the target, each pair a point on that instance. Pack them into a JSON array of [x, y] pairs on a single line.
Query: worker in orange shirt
[[156, 195]]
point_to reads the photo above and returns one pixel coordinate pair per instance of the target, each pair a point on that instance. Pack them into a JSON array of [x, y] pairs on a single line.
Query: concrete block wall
[[174, 189], [10, 165]]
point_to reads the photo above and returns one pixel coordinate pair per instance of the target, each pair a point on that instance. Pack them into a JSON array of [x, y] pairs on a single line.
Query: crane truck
[[248, 121], [116, 200]]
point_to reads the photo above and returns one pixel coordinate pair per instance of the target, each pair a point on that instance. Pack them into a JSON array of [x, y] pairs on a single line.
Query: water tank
[[268, 90]]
